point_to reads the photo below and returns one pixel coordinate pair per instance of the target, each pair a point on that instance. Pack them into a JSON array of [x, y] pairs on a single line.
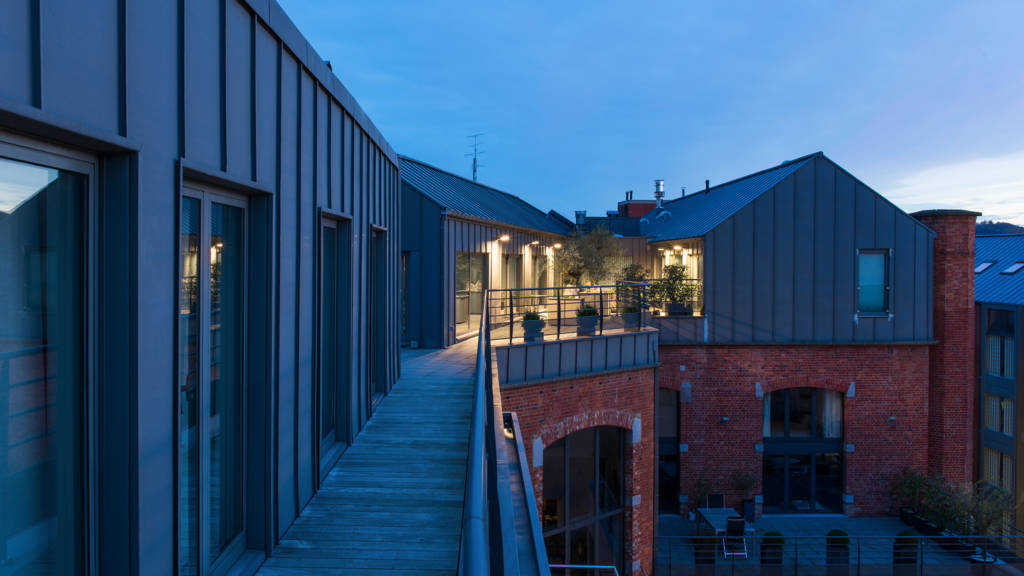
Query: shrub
[[836, 538], [586, 311], [527, 316], [629, 309]]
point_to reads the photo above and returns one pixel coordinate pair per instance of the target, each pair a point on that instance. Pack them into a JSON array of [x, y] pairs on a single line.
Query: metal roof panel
[[992, 286]]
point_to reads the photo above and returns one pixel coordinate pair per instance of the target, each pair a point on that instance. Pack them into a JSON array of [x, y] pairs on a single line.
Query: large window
[[803, 463], [583, 498], [999, 414], [999, 343], [873, 282], [470, 283], [211, 381], [44, 214], [668, 451], [997, 469], [335, 327]]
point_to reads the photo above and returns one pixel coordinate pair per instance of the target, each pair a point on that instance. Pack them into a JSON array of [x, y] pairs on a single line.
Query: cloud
[[993, 186]]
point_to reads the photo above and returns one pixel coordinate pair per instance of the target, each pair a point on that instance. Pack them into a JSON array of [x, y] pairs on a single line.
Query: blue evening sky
[[580, 101]]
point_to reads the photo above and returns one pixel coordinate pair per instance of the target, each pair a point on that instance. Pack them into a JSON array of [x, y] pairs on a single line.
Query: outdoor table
[[718, 518]]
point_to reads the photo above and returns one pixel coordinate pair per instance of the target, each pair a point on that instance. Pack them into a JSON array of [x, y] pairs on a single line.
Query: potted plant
[[904, 552], [675, 290], [743, 482], [630, 317], [771, 552], [586, 320], [533, 327], [705, 551], [837, 549]]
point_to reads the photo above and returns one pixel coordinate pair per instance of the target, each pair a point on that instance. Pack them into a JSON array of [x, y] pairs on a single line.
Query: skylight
[[983, 266], [1013, 269]]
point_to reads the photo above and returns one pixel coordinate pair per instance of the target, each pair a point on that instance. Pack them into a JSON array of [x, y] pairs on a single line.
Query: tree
[[588, 258]]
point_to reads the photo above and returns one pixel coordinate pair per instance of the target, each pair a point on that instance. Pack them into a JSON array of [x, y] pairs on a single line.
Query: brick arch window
[[803, 465], [584, 508]]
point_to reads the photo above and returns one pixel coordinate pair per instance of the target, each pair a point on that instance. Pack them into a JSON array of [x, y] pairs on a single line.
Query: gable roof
[[460, 195], [697, 214], [992, 286]]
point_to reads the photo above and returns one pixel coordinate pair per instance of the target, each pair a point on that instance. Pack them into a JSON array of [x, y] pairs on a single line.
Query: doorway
[[212, 381], [334, 391]]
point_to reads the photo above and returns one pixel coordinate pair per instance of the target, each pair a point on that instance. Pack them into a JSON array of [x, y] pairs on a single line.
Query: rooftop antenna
[[476, 152]]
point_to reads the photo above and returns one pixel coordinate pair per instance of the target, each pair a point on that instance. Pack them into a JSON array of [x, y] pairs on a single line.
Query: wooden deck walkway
[[393, 502]]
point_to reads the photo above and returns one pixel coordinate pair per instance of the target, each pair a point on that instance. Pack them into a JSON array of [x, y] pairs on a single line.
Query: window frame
[[886, 311], [207, 195], [570, 525], [27, 150]]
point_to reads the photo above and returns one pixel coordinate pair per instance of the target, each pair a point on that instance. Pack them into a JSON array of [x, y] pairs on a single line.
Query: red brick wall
[[553, 410], [889, 381], [952, 436], [636, 208]]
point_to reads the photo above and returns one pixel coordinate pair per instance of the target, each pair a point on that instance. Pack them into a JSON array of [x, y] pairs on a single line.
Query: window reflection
[[470, 283], [42, 385]]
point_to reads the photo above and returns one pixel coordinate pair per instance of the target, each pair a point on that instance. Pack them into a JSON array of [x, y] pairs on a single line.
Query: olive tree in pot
[[533, 327], [586, 320], [771, 552], [675, 290]]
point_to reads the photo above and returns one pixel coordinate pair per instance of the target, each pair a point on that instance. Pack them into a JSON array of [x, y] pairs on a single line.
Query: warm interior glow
[[504, 238], [677, 247], [557, 245]]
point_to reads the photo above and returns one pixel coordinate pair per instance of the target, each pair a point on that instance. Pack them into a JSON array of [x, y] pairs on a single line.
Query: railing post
[[558, 304], [511, 317], [600, 308], [858, 555], [796, 556]]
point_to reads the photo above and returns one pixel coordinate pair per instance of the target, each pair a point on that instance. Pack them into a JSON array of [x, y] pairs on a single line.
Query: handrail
[[588, 567], [474, 549]]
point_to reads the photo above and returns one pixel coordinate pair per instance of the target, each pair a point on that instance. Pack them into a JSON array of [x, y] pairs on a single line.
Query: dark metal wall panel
[[803, 254], [238, 78], [845, 267], [824, 250], [783, 268], [784, 250], [722, 313], [744, 281], [288, 293], [203, 82], [82, 64], [19, 51], [305, 285], [764, 214]]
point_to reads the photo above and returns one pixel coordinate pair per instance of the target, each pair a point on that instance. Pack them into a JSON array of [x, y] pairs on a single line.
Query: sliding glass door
[[211, 357], [335, 335], [44, 222]]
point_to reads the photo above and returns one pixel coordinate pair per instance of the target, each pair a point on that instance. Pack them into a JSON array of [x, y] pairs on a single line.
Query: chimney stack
[[682, 192], [659, 191], [707, 186]]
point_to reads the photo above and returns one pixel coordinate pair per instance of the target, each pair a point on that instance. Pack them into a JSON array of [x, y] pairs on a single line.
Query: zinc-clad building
[[198, 227]]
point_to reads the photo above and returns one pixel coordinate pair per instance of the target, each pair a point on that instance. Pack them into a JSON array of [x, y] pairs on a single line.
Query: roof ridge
[[999, 235], [803, 158]]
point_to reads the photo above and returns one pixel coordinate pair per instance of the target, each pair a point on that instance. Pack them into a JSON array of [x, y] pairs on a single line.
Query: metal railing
[[920, 555], [590, 569], [475, 544], [691, 305], [532, 314]]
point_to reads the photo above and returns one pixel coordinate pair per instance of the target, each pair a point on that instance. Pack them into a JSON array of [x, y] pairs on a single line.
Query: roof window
[[983, 266], [1014, 268]]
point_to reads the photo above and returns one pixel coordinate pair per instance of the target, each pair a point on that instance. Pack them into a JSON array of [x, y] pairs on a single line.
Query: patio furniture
[[717, 518], [734, 543], [715, 501]]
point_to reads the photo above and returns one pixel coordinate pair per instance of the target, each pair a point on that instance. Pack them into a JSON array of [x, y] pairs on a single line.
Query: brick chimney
[[953, 392]]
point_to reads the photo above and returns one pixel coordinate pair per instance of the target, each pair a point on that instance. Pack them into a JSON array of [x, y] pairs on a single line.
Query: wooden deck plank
[[393, 502]]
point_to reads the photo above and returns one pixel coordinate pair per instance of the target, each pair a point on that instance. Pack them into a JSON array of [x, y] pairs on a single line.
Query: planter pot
[[837, 555], [749, 512], [771, 556], [586, 325], [533, 330], [677, 309], [930, 529], [904, 553], [631, 320]]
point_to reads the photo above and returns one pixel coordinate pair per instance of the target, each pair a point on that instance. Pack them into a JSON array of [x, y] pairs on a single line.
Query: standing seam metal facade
[[225, 94]]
